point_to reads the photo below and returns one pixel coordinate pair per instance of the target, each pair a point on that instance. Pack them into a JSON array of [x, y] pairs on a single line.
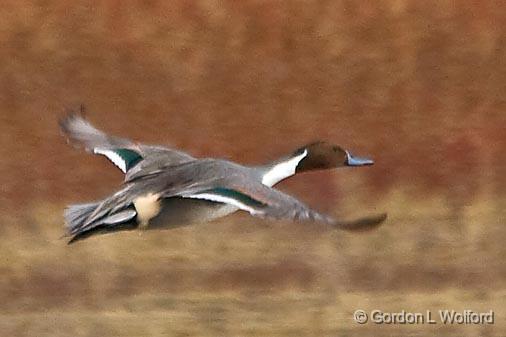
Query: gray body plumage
[[178, 212]]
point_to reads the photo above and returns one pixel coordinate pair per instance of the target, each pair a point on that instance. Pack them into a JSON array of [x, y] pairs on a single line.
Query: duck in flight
[[166, 188]]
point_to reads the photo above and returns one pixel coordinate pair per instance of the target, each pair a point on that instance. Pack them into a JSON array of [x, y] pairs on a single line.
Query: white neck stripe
[[282, 170]]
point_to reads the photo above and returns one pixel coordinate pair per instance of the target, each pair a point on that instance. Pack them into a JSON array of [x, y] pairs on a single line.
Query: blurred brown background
[[420, 86]]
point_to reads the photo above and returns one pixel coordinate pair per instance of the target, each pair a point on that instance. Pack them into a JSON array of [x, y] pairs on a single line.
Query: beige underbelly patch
[[147, 207]]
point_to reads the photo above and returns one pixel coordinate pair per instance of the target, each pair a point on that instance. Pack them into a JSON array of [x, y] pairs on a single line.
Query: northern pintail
[[166, 188]]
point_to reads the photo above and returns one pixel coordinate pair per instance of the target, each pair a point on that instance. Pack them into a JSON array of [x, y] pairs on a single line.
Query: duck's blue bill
[[357, 161]]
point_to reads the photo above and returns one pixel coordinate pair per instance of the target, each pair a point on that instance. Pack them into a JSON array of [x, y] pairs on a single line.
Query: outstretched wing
[[275, 204], [260, 200], [131, 158]]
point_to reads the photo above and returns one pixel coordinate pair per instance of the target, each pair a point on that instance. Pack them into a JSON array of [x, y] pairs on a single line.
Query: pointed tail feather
[[76, 215], [102, 229]]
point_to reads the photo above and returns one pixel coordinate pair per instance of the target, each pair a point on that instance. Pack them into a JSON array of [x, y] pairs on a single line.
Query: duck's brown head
[[322, 155]]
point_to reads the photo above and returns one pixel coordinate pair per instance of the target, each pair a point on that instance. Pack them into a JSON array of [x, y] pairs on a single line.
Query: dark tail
[[76, 215], [103, 229], [76, 221]]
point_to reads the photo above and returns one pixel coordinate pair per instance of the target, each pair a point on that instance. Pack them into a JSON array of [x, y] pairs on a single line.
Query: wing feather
[[133, 159], [230, 185]]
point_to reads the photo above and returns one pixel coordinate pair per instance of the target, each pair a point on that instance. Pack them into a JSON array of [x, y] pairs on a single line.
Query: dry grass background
[[418, 85]]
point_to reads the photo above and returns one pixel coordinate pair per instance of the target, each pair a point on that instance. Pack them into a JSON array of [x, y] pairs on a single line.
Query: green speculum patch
[[129, 156], [233, 194]]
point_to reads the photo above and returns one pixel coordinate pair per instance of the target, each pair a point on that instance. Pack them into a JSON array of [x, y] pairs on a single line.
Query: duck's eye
[[335, 148]]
